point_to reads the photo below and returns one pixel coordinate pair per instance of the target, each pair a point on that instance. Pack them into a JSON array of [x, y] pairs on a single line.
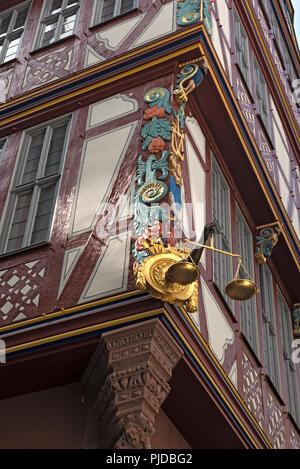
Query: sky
[[296, 4]]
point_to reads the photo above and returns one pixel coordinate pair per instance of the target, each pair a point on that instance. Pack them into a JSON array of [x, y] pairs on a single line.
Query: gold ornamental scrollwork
[[151, 276]]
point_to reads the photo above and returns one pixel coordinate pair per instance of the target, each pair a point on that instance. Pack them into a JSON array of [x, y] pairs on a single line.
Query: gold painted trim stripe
[[84, 330], [75, 309], [148, 314], [100, 84], [102, 65], [194, 47]]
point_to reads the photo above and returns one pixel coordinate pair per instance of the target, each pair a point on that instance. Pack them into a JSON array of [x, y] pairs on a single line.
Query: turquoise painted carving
[[188, 12], [154, 129], [266, 241], [206, 16], [296, 314], [157, 129], [190, 76], [151, 191], [180, 115], [159, 97]]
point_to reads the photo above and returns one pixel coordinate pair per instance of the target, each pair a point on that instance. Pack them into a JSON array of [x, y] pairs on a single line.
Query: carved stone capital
[[126, 382]]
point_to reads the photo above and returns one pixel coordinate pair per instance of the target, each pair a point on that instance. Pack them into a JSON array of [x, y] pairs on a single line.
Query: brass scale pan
[[185, 272]]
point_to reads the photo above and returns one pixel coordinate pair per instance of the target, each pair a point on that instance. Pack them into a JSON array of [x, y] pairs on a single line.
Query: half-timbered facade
[[127, 127]]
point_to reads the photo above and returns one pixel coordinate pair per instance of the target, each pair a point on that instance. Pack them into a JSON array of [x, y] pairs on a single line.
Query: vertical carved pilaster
[[125, 384]]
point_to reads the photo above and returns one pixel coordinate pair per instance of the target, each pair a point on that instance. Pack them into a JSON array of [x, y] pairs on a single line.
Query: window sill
[[53, 44], [111, 20], [9, 63], [25, 249]]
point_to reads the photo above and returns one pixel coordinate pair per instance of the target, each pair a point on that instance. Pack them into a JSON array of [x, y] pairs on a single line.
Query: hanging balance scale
[[186, 271]]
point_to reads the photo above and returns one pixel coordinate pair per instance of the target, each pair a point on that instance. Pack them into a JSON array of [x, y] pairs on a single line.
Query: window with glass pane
[[275, 28], [108, 9], [289, 367], [269, 326], [247, 308], [288, 65], [12, 23], [222, 264], [241, 47], [261, 96], [2, 146], [59, 20], [33, 195]]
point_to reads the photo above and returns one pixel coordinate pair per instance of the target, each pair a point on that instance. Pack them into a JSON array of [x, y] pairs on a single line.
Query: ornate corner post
[[159, 195], [267, 239], [125, 384]]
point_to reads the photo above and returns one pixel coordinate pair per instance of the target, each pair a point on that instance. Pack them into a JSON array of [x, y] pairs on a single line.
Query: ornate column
[[125, 384], [159, 197]]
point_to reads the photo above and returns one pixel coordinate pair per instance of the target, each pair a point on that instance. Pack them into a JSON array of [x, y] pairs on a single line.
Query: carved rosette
[[125, 384]]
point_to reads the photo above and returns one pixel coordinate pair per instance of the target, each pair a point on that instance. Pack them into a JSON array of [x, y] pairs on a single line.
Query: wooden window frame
[[242, 50], [11, 33], [97, 17], [2, 148], [286, 339], [40, 182], [222, 239], [248, 308], [47, 19], [270, 336], [261, 95]]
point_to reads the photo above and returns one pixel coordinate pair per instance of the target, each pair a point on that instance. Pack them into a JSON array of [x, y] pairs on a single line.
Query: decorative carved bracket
[[125, 384], [266, 240], [296, 314], [190, 11]]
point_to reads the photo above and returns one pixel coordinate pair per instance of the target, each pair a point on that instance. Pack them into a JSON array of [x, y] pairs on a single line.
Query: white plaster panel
[[92, 57], [70, 260], [111, 272], [232, 375], [284, 189], [197, 183], [281, 144], [102, 157], [163, 23], [115, 36], [197, 134], [295, 216], [195, 319], [111, 108], [219, 331]]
